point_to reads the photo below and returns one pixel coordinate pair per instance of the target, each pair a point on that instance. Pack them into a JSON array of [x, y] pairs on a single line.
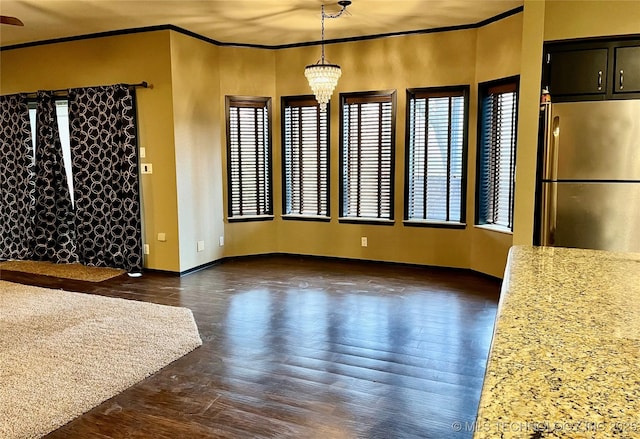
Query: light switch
[[147, 168], [162, 237]]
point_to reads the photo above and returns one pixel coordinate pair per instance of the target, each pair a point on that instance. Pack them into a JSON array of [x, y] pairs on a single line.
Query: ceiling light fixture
[[323, 77]]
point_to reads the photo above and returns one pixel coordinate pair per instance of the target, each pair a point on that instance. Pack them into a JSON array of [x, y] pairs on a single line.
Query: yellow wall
[[498, 56], [182, 120], [198, 149], [429, 60], [127, 58], [248, 72], [579, 19], [182, 124], [393, 63], [498, 49], [528, 113], [448, 58]]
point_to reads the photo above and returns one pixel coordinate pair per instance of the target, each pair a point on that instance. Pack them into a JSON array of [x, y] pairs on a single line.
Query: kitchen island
[[565, 354]]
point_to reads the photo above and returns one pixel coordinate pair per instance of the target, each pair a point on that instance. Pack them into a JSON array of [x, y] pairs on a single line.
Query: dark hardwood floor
[[306, 348]]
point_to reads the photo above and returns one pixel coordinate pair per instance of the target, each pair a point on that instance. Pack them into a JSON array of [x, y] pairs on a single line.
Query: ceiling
[[260, 22]]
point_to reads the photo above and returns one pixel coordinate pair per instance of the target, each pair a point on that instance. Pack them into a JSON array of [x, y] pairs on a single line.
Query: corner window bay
[[367, 139], [249, 158]]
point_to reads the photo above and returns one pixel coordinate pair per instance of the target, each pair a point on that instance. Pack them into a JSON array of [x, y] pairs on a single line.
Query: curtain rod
[[63, 91]]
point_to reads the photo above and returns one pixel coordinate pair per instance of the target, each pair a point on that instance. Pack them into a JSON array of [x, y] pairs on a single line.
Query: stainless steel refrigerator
[[590, 175]]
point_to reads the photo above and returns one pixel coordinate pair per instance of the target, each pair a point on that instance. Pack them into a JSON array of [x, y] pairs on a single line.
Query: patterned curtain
[[105, 176], [17, 179], [54, 217]]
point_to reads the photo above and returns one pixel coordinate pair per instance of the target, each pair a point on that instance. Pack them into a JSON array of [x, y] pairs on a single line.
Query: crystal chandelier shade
[[323, 77]]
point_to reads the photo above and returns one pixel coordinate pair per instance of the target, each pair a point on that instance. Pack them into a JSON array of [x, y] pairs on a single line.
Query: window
[[497, 152], [305, 157], [367, 140], [435, 157], [249, 158], [62, 114]]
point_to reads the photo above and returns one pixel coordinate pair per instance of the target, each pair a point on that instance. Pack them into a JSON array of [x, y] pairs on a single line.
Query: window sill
[[248, 218], [293, 217], [494, 228], [373, 221], [435, 224]]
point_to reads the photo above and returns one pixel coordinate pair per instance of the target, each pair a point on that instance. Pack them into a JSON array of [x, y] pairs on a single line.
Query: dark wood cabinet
[[595, 69], [627, 69], [578, 72]]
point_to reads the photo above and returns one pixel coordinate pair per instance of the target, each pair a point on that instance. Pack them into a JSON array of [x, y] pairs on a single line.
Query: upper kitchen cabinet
[[578, 72], [627, 69], [594, 69]]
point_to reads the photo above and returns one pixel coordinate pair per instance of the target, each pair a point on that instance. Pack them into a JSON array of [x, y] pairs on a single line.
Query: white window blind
[[305, 143], [248, 157], [367, 148], [497, 155], [435, 156]]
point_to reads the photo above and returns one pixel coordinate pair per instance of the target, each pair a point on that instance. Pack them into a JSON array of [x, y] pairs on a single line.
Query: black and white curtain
[[105, 176], [17, 185], [54, 237], [37, 217]]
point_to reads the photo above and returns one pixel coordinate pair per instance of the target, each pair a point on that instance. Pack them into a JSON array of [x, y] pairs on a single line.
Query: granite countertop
[[565, 355]]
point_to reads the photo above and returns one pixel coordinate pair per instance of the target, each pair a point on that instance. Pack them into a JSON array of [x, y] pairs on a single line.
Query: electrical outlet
[[143, 152], [363, 241], [162, 237], [146, 168], [200, 246], [146, 249], [221, 241]]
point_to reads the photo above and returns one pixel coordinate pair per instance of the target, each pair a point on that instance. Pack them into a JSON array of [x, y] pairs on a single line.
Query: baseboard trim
[[185, 272], [317, 257]]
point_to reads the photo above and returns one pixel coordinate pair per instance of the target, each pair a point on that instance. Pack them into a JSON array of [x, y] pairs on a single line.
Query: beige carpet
[[67, 271], [63, 353]]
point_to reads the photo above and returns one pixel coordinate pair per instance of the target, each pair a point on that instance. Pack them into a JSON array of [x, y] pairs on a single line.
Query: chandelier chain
[[325, 15], [323, 77], [322, 35]]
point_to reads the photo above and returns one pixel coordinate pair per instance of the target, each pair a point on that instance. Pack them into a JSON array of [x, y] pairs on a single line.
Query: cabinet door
[[578, 72], [627, 70]]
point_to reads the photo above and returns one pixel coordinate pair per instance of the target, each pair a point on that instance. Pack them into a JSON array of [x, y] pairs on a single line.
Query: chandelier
[[322, 76]]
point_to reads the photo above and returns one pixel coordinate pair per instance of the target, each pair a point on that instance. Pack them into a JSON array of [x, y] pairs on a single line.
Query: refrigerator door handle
[[550, 192], [549, 213], [555, 145], [548, 141]]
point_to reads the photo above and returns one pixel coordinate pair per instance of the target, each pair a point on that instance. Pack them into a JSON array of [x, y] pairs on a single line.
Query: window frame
[[485, 89], [285, 102], [428, 92], [368, 97], [249, 101]]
